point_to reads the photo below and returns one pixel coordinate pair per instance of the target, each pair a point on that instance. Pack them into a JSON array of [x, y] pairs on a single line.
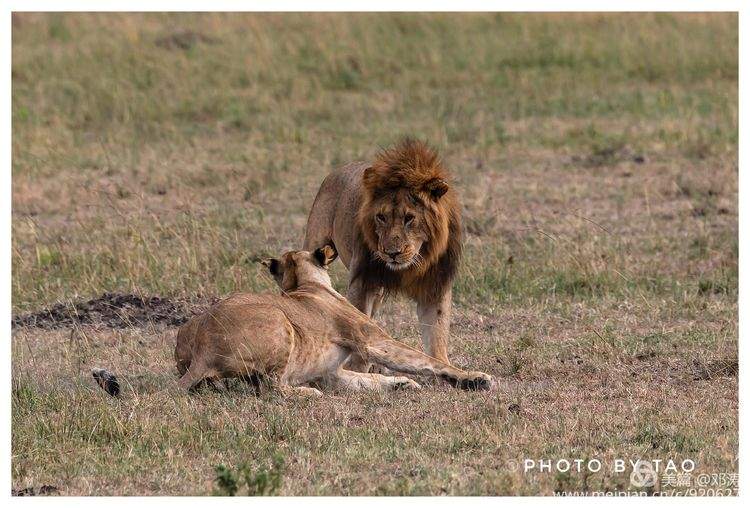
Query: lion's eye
[[380, 218], [408, 219]]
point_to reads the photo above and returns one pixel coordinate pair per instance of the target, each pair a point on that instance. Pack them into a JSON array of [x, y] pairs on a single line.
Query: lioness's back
[[241, 332]]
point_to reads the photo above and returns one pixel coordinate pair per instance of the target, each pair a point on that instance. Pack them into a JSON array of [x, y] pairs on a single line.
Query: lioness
[[302, 336], [396, 224]]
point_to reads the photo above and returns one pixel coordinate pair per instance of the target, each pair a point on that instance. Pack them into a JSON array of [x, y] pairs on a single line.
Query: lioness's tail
[[107, 381], [191, 377]]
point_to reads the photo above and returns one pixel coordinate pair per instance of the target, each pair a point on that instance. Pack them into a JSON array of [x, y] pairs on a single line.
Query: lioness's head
[[406, 207], [297, 267]]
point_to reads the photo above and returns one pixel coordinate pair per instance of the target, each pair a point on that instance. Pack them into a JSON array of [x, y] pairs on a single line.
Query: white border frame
[[382, 5]]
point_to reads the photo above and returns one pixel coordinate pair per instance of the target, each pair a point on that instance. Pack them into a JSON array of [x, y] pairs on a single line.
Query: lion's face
[[401, 229], [408, 216]]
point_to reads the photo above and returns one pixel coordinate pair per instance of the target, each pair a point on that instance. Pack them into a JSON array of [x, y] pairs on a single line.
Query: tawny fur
[[301, 337], [408, 180]]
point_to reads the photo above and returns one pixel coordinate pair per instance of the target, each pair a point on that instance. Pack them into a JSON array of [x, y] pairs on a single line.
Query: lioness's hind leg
[[305, 391], [355, 363], [193, 377], [358, 381]]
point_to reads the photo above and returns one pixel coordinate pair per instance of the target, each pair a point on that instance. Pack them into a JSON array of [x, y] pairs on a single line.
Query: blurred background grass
[[159, 152], [284, 79]]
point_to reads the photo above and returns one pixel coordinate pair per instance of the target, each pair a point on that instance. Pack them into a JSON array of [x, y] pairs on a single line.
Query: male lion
[[396, 224], [301, 337]]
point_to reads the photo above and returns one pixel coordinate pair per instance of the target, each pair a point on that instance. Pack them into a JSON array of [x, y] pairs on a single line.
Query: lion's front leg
[[366, 300], [434, 326]]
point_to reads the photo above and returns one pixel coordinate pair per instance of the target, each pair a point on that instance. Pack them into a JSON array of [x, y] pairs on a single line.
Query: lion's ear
[[368, 177], [273, 265], [436, 187], [325, 255]]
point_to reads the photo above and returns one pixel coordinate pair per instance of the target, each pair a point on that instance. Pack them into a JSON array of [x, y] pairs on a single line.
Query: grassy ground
[[596, 156]]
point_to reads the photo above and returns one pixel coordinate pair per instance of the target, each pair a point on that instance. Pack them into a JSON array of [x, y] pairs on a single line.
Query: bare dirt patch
[[112, 310], [44, 490]]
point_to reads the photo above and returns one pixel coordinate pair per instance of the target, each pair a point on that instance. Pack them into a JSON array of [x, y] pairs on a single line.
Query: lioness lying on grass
[[301, 337]]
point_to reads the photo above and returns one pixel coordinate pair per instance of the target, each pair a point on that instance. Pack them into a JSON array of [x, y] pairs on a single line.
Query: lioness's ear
[[436, 187], [273, 265], [325, 255]]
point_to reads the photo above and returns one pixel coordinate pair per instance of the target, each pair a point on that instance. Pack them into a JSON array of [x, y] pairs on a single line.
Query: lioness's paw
[[404, 383], [473, 380], [304, 391], [477, 381]]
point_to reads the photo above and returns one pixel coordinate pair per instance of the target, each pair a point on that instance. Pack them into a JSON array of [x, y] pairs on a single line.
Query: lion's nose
[[393, 254]]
